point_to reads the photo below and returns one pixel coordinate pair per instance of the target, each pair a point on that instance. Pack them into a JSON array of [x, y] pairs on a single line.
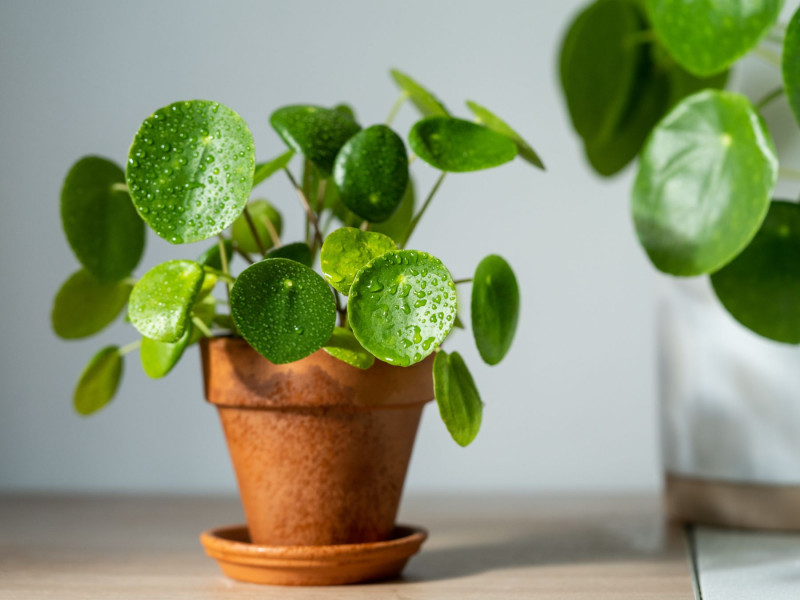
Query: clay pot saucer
[[311, 565]]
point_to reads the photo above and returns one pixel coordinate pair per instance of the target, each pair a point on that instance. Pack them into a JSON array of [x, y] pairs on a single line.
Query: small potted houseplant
[[319, 379], [703, 203]]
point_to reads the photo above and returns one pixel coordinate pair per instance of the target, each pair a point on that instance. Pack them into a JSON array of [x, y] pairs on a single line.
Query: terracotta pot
[[320, 448]]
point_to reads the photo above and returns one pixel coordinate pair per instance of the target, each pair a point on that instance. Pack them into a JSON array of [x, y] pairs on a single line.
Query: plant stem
[[248, 217], [415, 220], [767, 55], [396, 107], [789, 173], [130, 347], [465, 280], [304, 201], [773, 95], [218, 273], [273, 233], [223, 257], [202, 327], [364, 226], [119, 187]]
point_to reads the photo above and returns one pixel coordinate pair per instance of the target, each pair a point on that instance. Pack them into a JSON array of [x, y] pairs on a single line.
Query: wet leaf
[[459, 403], [99, 381], [494, 308], [345, 252], [158, 358], [344, 346]]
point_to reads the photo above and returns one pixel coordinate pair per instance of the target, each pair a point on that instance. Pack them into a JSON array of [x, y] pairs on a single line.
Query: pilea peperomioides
[[190, 175]]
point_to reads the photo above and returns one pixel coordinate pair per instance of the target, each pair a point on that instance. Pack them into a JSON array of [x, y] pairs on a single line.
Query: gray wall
[[573, 406]]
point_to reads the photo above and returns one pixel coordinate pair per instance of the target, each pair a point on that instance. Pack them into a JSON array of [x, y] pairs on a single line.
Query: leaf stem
[[202, 327], [413, 225], [249, 218], [119, 187], [226, 276], [396, 107], [130, 347], [767, 55], [769, 97], [465, 280], [789, 173], [304, 201], [223, 258]]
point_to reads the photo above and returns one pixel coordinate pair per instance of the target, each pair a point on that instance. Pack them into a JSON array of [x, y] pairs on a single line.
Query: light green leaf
[[402, 305], [791, 64], [494, 308], [160, 302], [296, 251], [267, 169], [344, 346], [459, 403], [158, 358], [704, 183], [190, 170], [98, 382], [100, 222], [495, 123], [345, 252], [707, 36], [263, 215], [283, 309], [428, 104], [456, 145], [83, 306]]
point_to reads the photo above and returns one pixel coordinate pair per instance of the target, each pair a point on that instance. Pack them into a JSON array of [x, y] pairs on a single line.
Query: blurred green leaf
[[494, 308], [427, 104], [397, 225], [267, 169], [158, 358], [296, 251], [212, 258], [495, 123], [83, 306], [99, 381], [791, 64], [457, 397], [263, 215]]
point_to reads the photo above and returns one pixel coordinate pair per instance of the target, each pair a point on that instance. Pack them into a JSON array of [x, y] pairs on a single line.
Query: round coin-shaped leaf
[[161, 301], [83, 306], [706, 36], [264, 216], [158, 358], [704, 184], [456, 145], [402, 305], [100, 222], [459, 403], [317, 133], [428, 104], [495, 123], [190, 170], [494, 308], [761, 286], [344, 346], [791, 64], [296, 251], [371, 173], [283, 309], [98, 382], [345, 252]]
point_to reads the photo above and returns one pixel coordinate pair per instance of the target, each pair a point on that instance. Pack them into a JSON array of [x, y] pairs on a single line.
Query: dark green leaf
[[494, 308], [344, 346], [704, 183], [158, 358], [100, 222], [98, 382], [160, 302], [190, 170], [296, 251], [212, 258], [761, 286], [317, 133], [371, 172], [495, 123], [457, 397], [397, 225], [283, 309], [791, 64], [83, 306], [456, 145], [428, 104], [402, 305], [263, 215], [267, 169], [707, 36], [347, 111], [345, 252]]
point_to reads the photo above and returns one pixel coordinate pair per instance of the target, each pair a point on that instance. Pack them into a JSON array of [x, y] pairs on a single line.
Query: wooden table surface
[[599, 548]]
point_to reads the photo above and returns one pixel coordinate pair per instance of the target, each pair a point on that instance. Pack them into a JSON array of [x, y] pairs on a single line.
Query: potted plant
[[703, 203], [319, 379]]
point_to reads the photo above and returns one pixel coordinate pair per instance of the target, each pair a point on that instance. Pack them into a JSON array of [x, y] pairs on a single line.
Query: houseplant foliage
[[645, 79], [191, 175]]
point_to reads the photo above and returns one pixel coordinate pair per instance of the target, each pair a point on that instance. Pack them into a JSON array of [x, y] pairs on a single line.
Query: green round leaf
[[262, 213], [396, 226], [371, 173], [494, 308], [267, 169], [344, 346], [98, 382], [704, 183], [83, 306], [283, 309], [707, 36], [190, 170], [791, 64], [598, 66], [428, 104], [296, 251], [495, 123], [212, 257], [160, 302], [459, 403], [761, 286], [402, 305], [317, 133], [158, 358], [100, 222], [345, 252], [456, 145], [347, 111]]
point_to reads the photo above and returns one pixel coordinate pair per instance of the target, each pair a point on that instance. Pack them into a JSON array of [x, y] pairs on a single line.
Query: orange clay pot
[[320, 448]]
